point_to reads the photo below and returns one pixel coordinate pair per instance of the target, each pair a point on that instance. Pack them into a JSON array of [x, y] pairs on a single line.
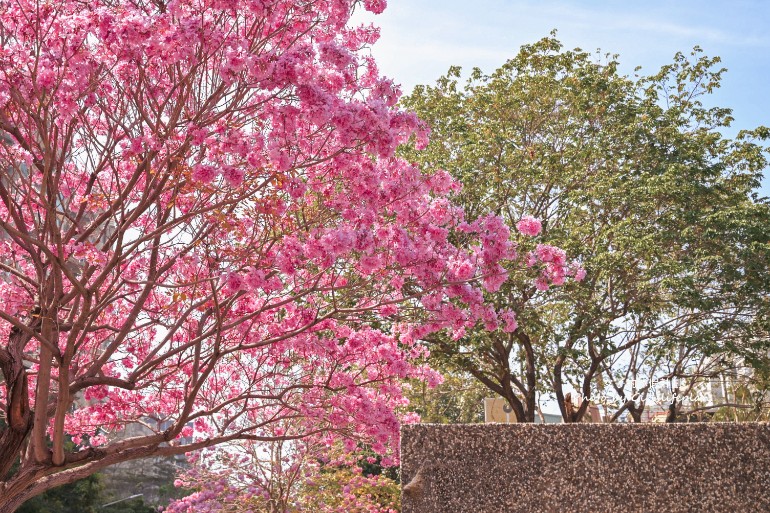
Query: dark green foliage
[[82, 496], [131, 506], [85, 496]]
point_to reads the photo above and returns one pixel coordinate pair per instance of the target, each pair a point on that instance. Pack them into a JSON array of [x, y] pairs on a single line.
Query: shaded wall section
[[518, 468]]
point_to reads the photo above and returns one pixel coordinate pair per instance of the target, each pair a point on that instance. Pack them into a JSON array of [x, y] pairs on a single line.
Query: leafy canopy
[[631, 175]]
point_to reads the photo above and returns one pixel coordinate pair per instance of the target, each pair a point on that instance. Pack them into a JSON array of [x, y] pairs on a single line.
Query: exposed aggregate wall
[[645, 468]]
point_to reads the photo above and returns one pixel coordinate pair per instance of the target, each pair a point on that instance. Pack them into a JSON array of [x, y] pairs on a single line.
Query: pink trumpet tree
[[204, 229], [285, 477]]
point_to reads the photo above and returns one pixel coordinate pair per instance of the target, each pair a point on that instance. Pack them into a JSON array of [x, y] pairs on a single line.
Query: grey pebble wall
[[645, 468]]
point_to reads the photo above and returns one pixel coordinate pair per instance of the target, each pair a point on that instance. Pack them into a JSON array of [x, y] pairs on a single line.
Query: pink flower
[[375, 6], [509, 319], [198, 136], [489, 318], [493, 282], [546, 252], [336, 55], [255, 279], [388, 310], [204, 173], [233, 176], [46, 78], [529, 226], [531, 259], [580, 274], [233, 282], [463, 270], [442, 182]]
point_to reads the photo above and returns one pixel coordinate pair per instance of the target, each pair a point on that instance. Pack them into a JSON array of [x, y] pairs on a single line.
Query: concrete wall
[[645, 468]]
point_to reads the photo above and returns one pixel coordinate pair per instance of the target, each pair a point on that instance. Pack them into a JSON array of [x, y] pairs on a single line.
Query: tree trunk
[[671, 412], [10, 505], [17, 411], [569, 408], [17, 491], [636, 413]]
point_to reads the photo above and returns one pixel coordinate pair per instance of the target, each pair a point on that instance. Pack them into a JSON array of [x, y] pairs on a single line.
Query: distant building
[[497, 410]]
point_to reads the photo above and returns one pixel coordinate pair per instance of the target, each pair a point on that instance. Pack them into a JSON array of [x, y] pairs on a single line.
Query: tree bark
[[671, 417], [17, 411], [11, 505]]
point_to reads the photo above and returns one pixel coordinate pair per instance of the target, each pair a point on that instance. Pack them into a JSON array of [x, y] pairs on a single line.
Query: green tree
[[632, 176], [459, 399]]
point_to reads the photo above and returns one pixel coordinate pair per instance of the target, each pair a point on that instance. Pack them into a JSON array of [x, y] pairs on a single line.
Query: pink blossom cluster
[[290, 476], [529, 226], [232, 241]]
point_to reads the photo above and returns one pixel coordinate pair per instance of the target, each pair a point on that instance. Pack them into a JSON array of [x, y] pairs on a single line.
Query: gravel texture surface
[[645, 468]]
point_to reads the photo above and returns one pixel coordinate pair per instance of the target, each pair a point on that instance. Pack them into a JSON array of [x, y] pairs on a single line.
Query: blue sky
[[420, 39]]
